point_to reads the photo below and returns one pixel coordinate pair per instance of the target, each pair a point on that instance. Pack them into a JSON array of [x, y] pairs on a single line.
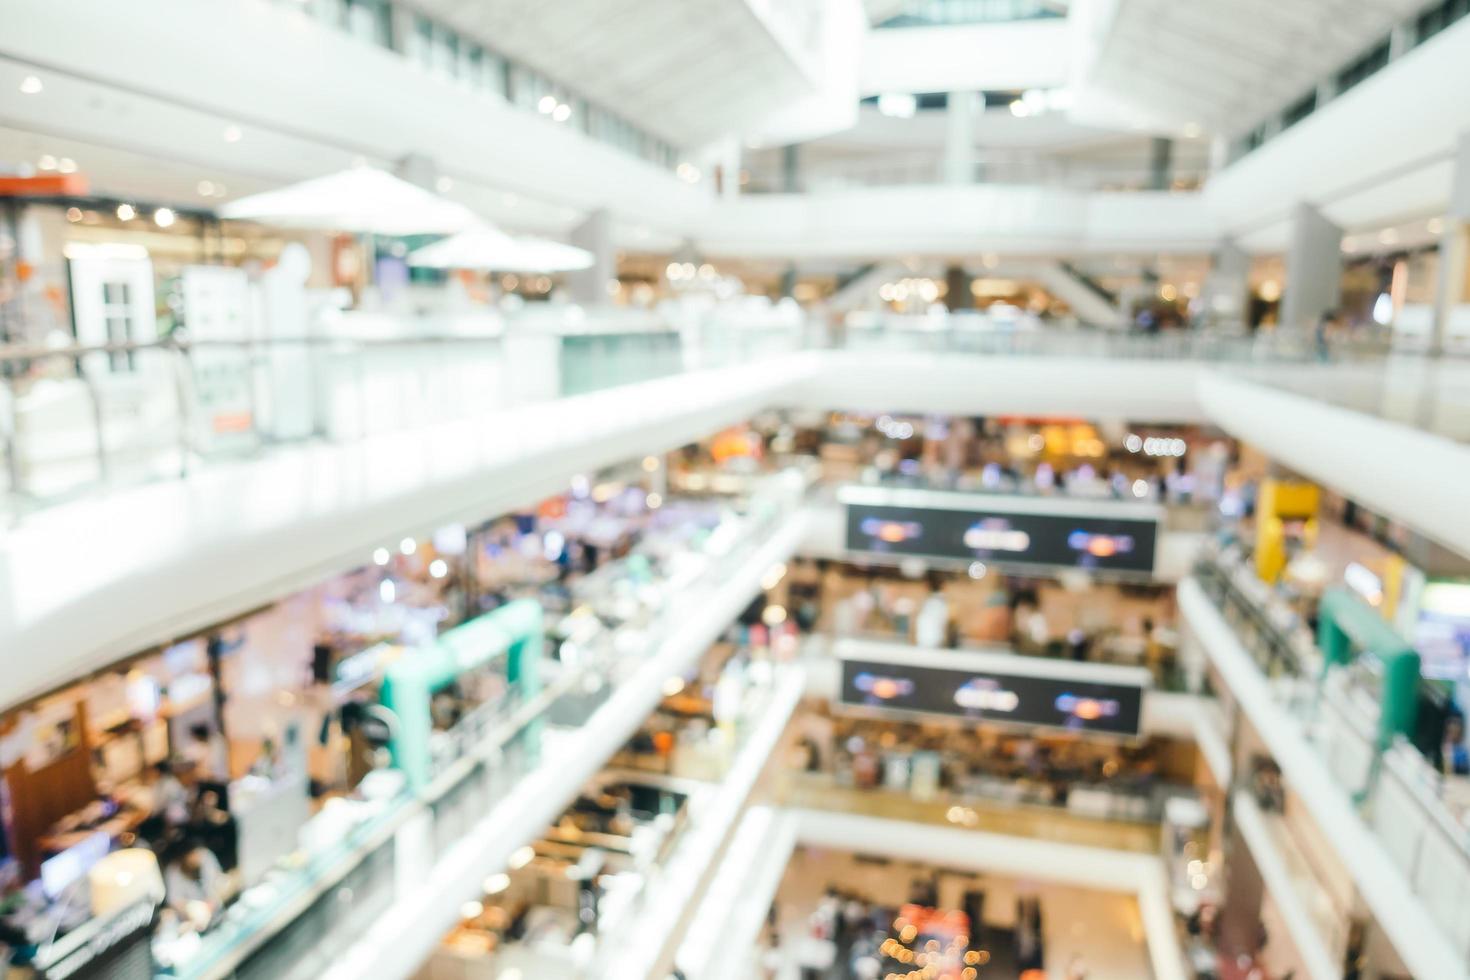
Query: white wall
[[880, 222], [1373, 149], [967, 58], [897, 381], [1391, 468]]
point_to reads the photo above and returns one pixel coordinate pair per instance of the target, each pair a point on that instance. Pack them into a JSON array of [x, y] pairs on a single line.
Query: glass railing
[[948, 13], [764, 713], [1407, 804], [76, 419], [995, 169], [1431, 394], [1024, 336], [314, 905]]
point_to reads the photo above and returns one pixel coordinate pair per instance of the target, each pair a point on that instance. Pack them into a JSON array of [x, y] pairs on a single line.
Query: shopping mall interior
[[734, 490]]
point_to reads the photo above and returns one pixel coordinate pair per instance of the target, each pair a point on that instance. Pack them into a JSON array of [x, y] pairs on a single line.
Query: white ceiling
[[691, 70], [1226, 65]]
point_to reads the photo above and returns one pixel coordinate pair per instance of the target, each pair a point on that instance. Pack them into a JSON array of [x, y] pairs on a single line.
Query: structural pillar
[[791, 169], [1313, 269], [959, 138], [1160, 163], [957, 295], [589, 286], [1454, 248], [1227, 287]]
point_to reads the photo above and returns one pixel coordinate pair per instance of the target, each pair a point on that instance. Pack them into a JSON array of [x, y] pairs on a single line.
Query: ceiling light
[[562, 113], [46, 162], [66, 165], [163, 217], [547, 104], [233, 134], [73, 214], [438, 568], [1435, 226], [31, 85], [206, 188], [126, 212], [1192, 131], [443, 185], [1020, 109]]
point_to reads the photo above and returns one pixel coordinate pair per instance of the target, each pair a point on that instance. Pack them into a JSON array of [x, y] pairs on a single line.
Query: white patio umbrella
[[491, 250], [362, 200]]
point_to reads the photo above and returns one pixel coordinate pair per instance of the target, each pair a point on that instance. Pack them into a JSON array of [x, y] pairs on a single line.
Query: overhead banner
[[1022, 532], [998, 688]]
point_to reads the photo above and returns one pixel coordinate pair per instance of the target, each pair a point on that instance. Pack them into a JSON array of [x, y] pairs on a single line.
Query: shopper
[[1454, 757]]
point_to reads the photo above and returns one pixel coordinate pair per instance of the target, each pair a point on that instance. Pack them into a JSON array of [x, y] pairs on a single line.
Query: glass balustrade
[[313, 905], [1416, 813], [73, 420]]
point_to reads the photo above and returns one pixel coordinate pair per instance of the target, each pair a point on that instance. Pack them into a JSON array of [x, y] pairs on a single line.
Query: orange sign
[[43, 185]]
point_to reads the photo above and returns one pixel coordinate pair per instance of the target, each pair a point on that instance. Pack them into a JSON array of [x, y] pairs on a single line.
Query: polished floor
[[1100, 932]]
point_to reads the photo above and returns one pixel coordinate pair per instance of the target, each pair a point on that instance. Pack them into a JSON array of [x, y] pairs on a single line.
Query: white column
[[1454, 247], [589, 286], [1313, 269], [959, 139], [1225, 289]]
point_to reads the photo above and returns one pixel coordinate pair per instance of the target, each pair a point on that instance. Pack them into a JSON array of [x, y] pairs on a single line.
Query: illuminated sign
[[1047, 699], [1005, 531]]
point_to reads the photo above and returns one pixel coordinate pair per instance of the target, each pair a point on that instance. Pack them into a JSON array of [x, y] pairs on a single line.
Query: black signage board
[[1001, 697], [1005, 538]]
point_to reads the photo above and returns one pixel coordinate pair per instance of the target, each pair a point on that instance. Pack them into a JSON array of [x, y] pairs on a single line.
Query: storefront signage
[[980, 688], [1006, 531]]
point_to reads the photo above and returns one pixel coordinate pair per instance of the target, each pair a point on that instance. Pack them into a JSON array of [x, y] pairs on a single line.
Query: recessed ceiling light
[[233, 134], [547, 104], [31, 85], [1435, 226], [66, 165], [205, 188], [163, 217], [46, 162], [126, 212], [562, 112]]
